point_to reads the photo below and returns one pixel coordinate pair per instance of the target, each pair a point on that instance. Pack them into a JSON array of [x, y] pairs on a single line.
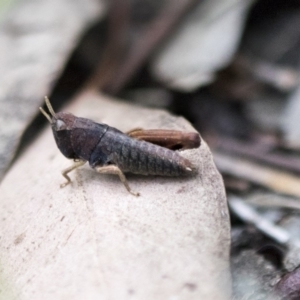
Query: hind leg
[[112, 169]]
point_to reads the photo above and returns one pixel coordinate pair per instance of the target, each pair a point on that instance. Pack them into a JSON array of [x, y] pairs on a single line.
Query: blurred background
[[230, 67]]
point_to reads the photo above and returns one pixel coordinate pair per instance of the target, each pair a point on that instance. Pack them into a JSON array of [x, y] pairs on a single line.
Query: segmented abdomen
[[148, 159]]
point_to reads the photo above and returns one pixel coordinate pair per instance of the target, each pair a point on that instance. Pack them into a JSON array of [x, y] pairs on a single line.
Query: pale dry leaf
[[274, 179], [205, 42], [36, 39], [94, 240]]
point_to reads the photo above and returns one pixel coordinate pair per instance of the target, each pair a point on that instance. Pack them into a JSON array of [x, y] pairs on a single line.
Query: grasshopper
[[110, 151]]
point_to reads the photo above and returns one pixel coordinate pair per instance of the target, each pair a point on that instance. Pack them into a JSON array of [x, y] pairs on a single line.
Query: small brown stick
[[149, 40], [232, 146], [282, 77], [118, 25]]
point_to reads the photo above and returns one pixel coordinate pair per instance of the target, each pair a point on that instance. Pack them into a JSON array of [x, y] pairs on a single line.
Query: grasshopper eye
[[60, 125]]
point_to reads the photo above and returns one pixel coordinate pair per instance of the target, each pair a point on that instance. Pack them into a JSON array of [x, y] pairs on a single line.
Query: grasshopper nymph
[[110, 151]]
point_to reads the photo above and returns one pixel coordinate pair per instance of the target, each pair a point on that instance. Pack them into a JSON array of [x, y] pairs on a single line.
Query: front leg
[[64, 173], [113, 169]]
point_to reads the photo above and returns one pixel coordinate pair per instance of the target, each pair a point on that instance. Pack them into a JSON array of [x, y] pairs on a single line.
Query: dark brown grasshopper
[[111, 151]]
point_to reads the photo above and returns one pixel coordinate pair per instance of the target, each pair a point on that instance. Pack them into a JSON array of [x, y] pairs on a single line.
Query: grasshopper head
[[62, 124], [59, 121]]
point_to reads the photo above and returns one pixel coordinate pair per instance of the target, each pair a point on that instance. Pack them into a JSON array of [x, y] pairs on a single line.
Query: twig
[[271, 200], [115, 45], [250, 215], [282, 77], [149, 40], [253, 151], [281, 182]]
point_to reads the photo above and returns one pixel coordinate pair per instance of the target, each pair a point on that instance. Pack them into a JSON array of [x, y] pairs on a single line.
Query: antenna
[[50, 108]]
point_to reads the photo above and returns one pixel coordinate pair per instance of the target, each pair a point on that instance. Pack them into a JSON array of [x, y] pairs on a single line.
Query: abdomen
[[141, 157]]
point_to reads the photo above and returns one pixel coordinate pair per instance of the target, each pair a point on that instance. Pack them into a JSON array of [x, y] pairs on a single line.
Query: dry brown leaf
[[94, 240]]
